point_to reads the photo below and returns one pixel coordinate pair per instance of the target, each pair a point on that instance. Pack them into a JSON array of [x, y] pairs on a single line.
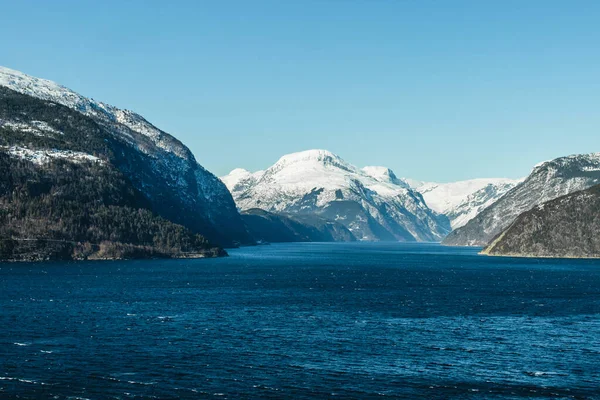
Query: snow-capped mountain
[[239, 180], [157, 164], [386, 175], [461, 201], [547, 181], [372, 203]]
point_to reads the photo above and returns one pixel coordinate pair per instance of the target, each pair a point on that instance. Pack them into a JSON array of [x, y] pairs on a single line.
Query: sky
[[436, 90]]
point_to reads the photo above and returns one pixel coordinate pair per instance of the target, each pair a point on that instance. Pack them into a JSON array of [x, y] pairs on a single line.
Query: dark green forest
[[63, 210]]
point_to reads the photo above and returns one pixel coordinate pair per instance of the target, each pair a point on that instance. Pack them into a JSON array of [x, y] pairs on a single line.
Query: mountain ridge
[[565, 227], [547, 181], [463, 199], [62, 196], [321, 182], [158, 164]]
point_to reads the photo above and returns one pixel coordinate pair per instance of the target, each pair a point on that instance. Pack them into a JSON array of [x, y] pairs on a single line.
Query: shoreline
[[565, 257]]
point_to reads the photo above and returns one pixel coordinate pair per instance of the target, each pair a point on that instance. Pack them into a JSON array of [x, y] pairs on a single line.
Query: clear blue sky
[[436, 90]]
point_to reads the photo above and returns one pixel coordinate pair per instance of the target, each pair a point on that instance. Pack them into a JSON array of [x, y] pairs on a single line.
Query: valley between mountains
[[85, 180]]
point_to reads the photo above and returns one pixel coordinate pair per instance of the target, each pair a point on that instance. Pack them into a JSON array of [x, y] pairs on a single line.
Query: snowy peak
[[309, 155], [311, 159], [443, 197], [239, 180], [320, 183], [384, 174], [303, 171], [233, 179], [235, 176], [461, 201]]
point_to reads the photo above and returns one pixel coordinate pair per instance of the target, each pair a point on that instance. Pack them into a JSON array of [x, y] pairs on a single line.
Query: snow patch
[[38, 128], [51, 91], [41, 157]]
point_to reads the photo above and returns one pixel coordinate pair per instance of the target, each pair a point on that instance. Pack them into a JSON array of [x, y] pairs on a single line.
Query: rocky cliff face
[[372, 204], [156, 163], [568, 226], [547, 181]]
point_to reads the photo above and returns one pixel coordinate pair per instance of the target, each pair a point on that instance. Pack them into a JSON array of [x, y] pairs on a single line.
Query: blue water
[[361, 320]]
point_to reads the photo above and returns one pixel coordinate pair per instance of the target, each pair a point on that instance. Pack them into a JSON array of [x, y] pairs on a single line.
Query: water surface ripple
[[361, 320]]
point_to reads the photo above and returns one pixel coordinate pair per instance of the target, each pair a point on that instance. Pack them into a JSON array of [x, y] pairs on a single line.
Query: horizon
[[433, 92]]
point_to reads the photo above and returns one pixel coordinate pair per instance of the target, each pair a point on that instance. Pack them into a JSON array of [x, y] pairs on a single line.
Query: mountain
[[372, 203], [62, 196], [239, 180], [384, 174], [414, 183], [269, 227], [156, 163], [564, 227], [461, 201], [547, 181]]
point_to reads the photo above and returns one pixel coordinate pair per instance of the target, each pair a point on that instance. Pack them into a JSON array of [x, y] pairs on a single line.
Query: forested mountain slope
[[156, 163], [568, 226], [65, 192]]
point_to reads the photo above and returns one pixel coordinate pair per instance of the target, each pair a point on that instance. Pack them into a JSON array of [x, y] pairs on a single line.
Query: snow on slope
[[37, 128], [240, 180], [414, 183], [463, 200], [159, 165], [51, 91], [443, 197], [547, 181], [320, 182], [384, 174], [41, 157]]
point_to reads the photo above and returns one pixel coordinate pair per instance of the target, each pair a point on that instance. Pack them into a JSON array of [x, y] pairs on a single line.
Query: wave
[[22, 380]]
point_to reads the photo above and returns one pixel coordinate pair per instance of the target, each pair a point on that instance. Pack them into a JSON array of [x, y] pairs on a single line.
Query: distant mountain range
[[372, 202], [547, 181], [461, 201], [317, 182], [480, 211], [82, 179]]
